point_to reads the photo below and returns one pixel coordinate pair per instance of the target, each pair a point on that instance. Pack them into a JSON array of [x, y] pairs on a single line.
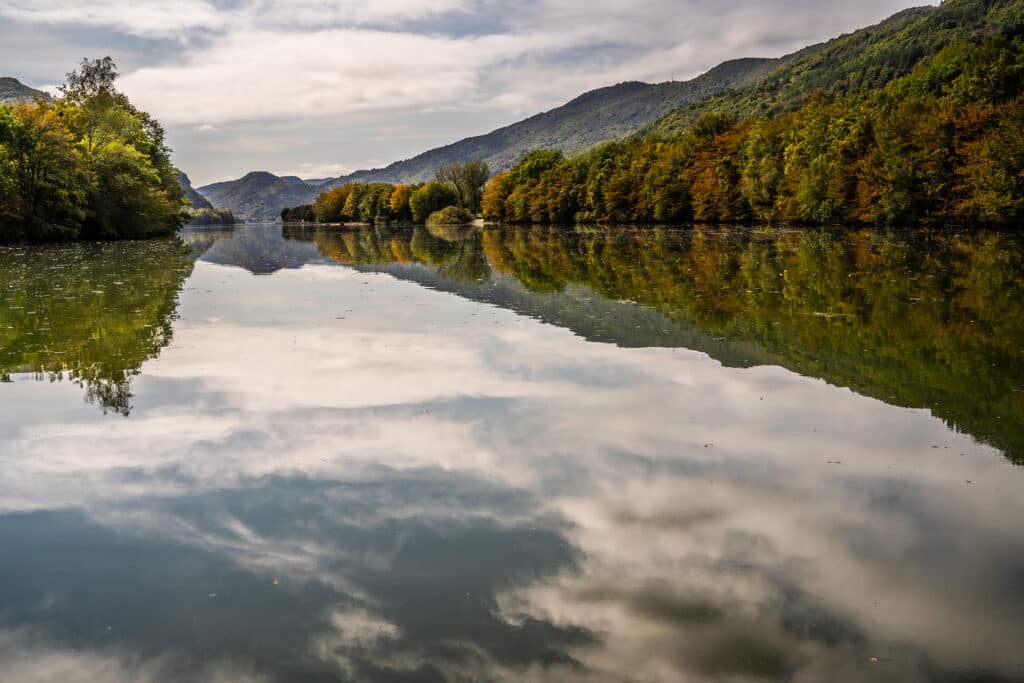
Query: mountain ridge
[[13, 91], [866, 59]]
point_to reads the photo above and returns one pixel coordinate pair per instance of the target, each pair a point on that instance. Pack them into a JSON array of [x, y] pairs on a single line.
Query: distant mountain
[[259, 196], [198, 200], [12, 91], [204, 214], [301, 181], [590, 119]]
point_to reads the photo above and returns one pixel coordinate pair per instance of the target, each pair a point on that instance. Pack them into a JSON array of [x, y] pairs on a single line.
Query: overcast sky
[[318, 88]]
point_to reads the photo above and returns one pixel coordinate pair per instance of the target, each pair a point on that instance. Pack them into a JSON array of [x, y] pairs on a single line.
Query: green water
[[279, 454]]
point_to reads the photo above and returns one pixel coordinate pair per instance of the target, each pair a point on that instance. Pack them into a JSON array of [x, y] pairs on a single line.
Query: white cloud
[[260, 75], [313, 13], [150, 18]]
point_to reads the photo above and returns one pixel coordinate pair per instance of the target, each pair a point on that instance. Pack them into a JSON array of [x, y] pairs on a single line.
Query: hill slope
[[590, 119], [867, 59], [198, 200], [12, 90], [941, 143]]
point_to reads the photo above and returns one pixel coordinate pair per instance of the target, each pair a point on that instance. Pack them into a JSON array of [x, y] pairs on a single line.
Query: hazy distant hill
[[590, 119], [12, 90], [259, 196]]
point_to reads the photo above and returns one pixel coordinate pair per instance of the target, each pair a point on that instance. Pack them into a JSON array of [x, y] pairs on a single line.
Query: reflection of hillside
[[929, 321], [200, 238], [932, 322], [259, 249], [93, 313]]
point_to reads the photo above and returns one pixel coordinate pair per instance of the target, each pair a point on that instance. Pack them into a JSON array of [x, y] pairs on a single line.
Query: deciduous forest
[[943, 144]]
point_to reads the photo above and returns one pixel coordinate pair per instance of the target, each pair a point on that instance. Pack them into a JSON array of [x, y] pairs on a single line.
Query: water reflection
[[334, 473], [91, 314], [930, 321]]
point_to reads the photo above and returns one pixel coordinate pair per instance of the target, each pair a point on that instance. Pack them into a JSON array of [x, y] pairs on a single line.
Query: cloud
[[260, 75], [140, 17]]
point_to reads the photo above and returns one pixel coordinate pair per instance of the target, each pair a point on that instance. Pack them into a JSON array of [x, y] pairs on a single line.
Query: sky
[[321, 88]]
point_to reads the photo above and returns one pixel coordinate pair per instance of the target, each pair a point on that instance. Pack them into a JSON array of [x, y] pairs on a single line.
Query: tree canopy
[[468, 179], [88, 166]]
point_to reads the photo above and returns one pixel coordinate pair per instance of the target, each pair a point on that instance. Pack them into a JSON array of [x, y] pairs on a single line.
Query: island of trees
[[89, 165], [206, 217], [454, 197]]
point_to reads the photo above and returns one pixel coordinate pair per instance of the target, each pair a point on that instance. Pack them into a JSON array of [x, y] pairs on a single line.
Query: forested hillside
[[943, 143], [865, 60], [590, 119], [197, 200]]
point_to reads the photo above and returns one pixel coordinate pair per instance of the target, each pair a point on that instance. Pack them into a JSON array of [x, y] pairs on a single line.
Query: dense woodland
[[88, 166], [944, 143]]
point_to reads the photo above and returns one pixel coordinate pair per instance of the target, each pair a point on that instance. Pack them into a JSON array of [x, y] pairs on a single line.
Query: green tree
[[468, 179], [432, 197], [42, 176]]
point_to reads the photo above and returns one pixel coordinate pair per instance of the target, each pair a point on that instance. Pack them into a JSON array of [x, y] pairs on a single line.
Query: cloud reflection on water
[[445, 490]]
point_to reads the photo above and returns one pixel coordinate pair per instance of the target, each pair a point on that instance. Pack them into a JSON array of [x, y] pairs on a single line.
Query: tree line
[[943, 144], [88, 166], [453, 197]]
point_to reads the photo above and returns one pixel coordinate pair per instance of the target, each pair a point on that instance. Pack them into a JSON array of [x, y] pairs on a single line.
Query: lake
[[519, 454]]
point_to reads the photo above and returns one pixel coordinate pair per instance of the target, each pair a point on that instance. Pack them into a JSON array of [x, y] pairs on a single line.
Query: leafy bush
[[451, 215]]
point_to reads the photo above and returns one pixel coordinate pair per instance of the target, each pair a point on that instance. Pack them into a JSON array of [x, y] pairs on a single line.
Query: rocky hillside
[[198, 200], [12, 90]]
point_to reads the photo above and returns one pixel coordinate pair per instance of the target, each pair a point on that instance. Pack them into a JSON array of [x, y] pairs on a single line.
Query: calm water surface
[[286, 454]]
